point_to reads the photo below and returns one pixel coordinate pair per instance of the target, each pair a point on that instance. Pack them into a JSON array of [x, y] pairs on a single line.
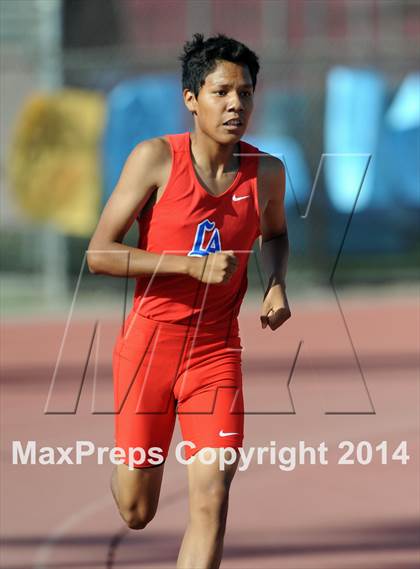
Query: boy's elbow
[[93, 262]]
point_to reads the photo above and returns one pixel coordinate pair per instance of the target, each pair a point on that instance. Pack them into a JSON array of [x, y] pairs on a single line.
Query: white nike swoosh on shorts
[[223, 434], [239, 198]]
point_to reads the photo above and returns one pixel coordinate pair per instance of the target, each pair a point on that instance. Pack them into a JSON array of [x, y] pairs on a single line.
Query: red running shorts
[[162, 369]]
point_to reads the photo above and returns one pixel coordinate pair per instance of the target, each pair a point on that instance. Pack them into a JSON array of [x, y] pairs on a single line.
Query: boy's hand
[[216, 268], [275, 309]]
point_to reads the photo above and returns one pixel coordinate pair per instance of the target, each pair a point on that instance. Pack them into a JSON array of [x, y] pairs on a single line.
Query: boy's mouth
[[233, 122]]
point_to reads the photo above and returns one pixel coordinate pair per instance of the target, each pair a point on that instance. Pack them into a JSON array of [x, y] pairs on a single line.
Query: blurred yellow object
[[54, 162]]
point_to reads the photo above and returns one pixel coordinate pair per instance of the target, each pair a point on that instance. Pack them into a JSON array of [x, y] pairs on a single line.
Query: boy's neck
[[211, 157]]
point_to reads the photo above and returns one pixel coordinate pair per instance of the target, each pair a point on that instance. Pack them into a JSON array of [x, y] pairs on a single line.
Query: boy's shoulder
[[271, 162], [160, 148], [157, 148], [271, 175], [152, 157], [266, 162]]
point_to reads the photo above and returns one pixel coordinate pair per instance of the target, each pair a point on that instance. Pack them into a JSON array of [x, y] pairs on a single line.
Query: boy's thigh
[[207, 481], [143, 395], [211, 412]]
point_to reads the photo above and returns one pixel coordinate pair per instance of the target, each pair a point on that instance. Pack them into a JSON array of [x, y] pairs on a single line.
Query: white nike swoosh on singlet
[[239, 198], [223, 434]]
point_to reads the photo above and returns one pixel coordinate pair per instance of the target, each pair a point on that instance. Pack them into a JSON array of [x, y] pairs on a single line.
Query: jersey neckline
[[195, 177]]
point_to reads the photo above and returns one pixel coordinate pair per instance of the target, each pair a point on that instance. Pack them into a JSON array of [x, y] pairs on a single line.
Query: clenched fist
[[216, 268], [275, 309]]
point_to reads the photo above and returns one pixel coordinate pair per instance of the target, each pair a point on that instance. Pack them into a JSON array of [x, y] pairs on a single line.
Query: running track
[[314, 517]]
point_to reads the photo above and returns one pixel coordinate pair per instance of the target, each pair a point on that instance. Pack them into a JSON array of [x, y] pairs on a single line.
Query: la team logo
[[201, 238]]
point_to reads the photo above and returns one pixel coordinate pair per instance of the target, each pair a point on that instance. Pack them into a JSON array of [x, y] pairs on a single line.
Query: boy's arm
[[274, 242], [139, 178], [142, 174]]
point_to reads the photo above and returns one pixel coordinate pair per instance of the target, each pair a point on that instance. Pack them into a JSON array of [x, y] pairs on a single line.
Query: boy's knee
[[211, 503], [135, 520]]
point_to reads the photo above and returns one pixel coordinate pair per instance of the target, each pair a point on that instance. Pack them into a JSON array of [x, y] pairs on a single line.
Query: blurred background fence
[[338, 98]]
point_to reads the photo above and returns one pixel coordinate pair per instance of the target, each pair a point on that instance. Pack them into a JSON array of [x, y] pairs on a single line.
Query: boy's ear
[[190, 100]]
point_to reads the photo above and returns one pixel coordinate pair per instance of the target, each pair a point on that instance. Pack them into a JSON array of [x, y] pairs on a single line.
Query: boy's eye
[[243, 93]]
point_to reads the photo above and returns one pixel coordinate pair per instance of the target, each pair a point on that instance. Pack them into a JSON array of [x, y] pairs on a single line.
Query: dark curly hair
[[200, 57]]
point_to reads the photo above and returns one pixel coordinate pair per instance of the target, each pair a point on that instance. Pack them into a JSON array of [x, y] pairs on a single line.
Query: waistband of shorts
[[220, 330]]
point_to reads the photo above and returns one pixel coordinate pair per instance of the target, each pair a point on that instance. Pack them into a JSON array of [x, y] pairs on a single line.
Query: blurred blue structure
[[355, 123], [139, 109], [400, 149], [284, 111], [354, 107], [404, 112]]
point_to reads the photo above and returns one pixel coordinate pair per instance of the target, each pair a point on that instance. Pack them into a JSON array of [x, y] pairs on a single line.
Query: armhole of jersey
[[255, 193], [171, 172], [172, 169]]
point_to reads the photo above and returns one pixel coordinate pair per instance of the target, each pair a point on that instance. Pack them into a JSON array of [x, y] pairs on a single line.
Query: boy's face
[[227, 94]]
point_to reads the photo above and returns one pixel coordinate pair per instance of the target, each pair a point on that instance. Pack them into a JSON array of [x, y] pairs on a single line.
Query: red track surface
[[313, 517]]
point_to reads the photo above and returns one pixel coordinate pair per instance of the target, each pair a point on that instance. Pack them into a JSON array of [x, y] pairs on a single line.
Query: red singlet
[[179, 351], [189, 220]]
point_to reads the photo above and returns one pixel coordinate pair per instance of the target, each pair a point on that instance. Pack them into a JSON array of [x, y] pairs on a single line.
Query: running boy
[[200, 200]]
